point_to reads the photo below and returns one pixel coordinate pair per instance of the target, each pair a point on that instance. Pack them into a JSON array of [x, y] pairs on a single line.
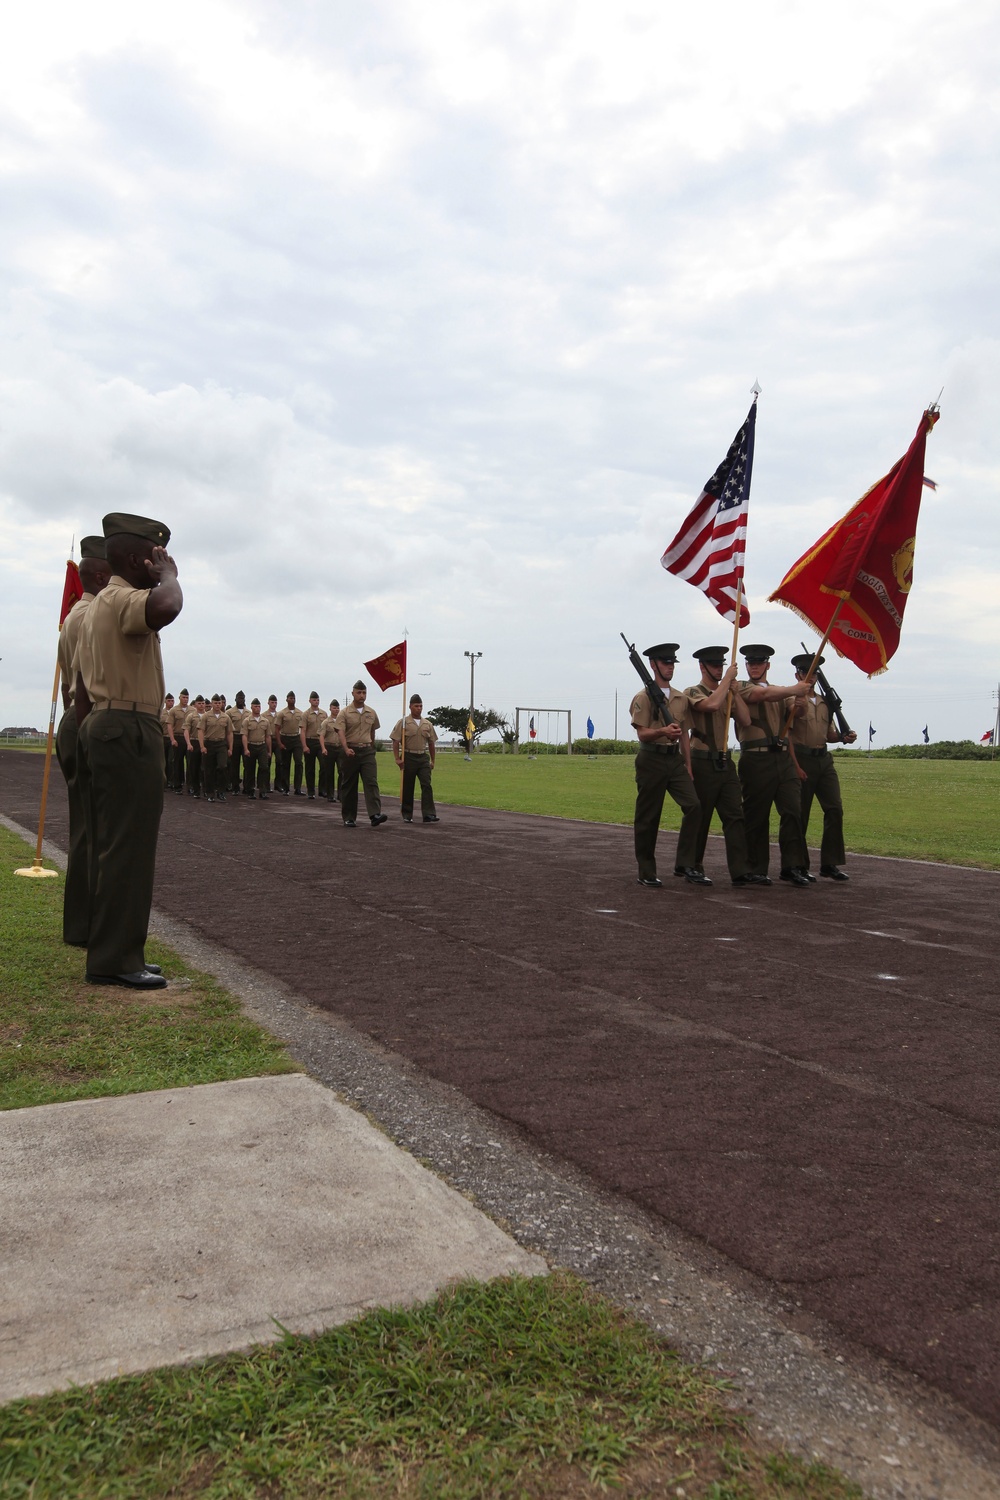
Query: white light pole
[[473, 658]]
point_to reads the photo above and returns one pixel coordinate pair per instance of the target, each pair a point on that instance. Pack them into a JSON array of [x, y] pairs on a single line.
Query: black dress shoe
[[298, 794], [433, 818], [221, 797], [759, 880], [407, 820], [803, 871], [263, 796], [693, 876], [742, 880], [830, 872], [140, 979], [312, 796], [794, 877], [380, 818], [152, 968], [650, 881], [350, 823]]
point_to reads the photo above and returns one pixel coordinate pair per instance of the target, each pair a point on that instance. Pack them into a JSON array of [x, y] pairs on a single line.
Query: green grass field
[[61, 1038], [916, 809], [535, 1388]]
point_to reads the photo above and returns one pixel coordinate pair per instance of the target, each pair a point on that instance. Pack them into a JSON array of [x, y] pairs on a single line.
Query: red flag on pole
[[389, 669], [72, 591], [858, 575]]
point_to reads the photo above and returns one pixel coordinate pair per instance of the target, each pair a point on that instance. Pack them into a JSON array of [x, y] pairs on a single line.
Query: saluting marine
[[119, 690], [663, 765], [413, 745], [810, 732]]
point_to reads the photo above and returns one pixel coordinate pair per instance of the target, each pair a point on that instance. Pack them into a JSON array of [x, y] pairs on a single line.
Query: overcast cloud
[[436, 317]]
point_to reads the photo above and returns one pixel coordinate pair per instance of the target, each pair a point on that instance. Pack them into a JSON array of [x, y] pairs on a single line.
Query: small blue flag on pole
[[871, 732], [590, 728], [927, 738]]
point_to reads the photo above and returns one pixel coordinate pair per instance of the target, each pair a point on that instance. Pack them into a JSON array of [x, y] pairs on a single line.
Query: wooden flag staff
[[812, 665], [736, 636], [36, 868]]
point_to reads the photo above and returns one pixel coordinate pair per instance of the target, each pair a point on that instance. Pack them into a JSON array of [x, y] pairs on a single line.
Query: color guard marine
[[812, 731], [767, 772], [661, 718]]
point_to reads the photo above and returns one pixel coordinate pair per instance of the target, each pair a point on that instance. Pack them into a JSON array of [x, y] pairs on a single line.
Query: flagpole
[[36, 868], [402, 742], [816, 656], [736, 636]]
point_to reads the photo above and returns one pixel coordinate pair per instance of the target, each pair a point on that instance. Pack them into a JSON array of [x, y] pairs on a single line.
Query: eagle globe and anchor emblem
[[902, 565]]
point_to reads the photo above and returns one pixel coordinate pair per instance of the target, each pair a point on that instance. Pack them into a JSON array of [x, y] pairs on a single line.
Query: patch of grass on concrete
[[532, 1387], [61, 1038], [914, 809]]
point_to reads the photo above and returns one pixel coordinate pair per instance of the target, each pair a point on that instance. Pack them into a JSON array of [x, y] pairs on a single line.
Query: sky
[[435, 317]]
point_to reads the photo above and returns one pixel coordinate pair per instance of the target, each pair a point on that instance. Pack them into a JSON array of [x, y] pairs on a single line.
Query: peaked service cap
[[716, 655], [119, 523], [757, 653], [666, 651], [803, 661], [93, 546]]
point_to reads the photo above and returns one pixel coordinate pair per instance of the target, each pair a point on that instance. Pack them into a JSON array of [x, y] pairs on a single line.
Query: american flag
[[708, 550]]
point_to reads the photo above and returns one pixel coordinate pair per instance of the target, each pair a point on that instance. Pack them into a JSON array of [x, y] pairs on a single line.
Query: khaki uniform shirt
[[813, 729], [357, 725], [772, 715], [165, 719], [644, 715], [236, 716], [420, 735], [287, 723], [177, 716], [69, 636], [192, 723], [256, 729], [709, 731], [328, 734], [313, 719], [214, 726], [270, 714], [119, 655]]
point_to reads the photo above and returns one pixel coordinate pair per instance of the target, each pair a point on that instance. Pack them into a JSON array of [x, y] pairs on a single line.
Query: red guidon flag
[[389, 669], [72, 591], [864, 565]]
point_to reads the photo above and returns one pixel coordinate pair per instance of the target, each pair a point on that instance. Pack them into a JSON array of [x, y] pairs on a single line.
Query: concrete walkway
[[156, 1228]]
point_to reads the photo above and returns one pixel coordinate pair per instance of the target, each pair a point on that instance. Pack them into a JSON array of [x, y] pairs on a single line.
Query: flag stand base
[[37, 871]]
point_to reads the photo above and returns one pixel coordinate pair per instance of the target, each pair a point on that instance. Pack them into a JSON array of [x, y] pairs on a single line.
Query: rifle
[[656, 694], [831, 699]]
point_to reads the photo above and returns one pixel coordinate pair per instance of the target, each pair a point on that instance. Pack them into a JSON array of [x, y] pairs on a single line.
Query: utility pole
[[996, 724], [473, 658]]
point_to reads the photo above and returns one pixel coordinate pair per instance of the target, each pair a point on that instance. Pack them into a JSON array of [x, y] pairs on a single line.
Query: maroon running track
[[806, 1079]]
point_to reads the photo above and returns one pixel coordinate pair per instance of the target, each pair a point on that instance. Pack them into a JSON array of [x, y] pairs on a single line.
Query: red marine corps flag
[[852, 586], [72, 591], [389, 669]]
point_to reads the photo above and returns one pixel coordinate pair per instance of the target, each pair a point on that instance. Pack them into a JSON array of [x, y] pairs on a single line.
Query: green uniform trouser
[[291, 750], [256, 770], [76, 892], [657, 772], [361, 764], [331, 770], [215, 767], [417, 768], [313, 765], [823, 783], [768, 779], [124, 752], [718, 788]]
